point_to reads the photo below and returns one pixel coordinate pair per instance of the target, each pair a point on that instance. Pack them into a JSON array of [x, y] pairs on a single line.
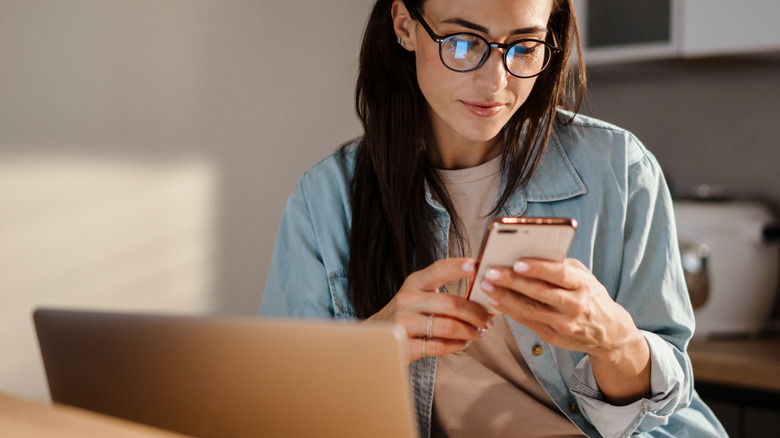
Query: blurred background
[[148, 147]]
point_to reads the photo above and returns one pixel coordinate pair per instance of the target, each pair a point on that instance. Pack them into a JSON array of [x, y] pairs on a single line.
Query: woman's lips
[[483, 109]]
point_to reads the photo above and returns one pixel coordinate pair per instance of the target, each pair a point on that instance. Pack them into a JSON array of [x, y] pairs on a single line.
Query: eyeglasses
[[464, 52]]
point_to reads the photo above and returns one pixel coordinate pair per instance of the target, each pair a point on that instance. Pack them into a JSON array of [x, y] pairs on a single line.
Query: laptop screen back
[[230, 377]]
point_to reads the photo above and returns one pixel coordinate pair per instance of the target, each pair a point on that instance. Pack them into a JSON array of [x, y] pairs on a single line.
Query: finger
[[567, 274], [457, 308], [440, 272], [419, 305], [435, 347], [449, 328], [522, 308], [576, 263], [532, 314], [536, 289], [413, 306]]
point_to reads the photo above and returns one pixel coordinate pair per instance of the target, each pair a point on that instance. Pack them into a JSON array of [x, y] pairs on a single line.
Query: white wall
[[232, 98]]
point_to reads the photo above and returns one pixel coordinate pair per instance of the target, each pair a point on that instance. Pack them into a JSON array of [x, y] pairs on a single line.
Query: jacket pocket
[[342, 307]]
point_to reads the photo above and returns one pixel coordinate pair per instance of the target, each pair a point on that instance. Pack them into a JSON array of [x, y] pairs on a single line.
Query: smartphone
[[511, 238]]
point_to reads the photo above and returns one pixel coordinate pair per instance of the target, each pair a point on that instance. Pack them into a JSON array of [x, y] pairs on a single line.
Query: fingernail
[[520, 266], [492, 302], [468, 266], [486, 286], [467, 345], [482, 332], [492, 274], [489, 322]]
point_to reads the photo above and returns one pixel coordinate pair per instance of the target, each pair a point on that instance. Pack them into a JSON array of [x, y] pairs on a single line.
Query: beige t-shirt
[[488, 388]]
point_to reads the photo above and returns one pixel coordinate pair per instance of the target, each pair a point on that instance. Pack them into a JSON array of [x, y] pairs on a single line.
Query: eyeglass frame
[[439, 39]]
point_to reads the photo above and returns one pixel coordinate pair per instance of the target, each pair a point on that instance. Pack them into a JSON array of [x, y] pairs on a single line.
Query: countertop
[[21, 418], [752, 363]]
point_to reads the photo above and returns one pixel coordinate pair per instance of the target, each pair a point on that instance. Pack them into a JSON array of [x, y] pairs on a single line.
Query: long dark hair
[[393, 232]]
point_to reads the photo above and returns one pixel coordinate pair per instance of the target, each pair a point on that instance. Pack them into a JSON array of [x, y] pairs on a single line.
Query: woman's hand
[[567, 307], [436, 323]]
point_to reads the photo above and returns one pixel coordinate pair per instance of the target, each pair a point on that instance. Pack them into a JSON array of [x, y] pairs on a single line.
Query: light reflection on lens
[[462, 52], [460, 49]]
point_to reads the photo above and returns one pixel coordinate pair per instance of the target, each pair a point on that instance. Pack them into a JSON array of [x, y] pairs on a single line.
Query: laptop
[[209, 376]]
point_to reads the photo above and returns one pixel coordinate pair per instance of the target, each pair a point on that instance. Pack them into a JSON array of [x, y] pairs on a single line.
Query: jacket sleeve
[[652, 288], [297, 283]]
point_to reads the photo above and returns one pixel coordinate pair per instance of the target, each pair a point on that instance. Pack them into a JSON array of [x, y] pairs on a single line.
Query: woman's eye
[[526, 48]]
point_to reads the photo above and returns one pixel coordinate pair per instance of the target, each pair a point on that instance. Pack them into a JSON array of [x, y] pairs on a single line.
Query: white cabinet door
[[712, 27], [611, 30]]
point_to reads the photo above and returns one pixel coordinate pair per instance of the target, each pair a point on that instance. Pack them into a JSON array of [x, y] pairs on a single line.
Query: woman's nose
[[492, 76]]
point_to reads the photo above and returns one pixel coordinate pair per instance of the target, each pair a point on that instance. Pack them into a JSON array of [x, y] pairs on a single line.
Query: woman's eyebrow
[[473, 26]]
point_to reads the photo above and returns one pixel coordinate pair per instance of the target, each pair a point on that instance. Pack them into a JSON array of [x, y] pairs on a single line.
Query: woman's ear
[[403, 26]]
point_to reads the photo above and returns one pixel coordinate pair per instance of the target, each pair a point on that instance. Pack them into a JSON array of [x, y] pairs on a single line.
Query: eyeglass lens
[[466, 52]]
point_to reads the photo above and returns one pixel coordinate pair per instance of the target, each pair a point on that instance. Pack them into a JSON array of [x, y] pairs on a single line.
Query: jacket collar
[[554, 180]]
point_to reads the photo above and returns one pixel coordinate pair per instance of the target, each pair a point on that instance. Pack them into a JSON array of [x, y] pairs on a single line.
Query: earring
[[400, 41]]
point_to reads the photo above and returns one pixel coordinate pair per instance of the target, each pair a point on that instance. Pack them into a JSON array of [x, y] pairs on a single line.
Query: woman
[[460, 103]]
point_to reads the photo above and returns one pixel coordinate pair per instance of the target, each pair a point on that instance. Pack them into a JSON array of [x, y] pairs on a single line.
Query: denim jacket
[[594, 172]]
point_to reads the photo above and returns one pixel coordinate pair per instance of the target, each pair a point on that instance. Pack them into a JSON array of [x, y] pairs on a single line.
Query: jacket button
[[536, 350], [573, 408]]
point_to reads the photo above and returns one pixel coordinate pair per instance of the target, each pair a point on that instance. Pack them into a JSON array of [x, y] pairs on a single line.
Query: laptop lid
[[230, 377]]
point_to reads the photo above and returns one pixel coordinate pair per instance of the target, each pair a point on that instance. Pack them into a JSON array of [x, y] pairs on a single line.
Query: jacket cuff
[[670, 384]]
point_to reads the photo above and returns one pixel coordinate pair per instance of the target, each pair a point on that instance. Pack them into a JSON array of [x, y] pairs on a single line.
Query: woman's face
[[472, 108]]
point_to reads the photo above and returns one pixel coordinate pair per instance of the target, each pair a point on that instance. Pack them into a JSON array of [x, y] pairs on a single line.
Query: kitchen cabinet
[[616, 30], [744, 413], [737, 378]]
